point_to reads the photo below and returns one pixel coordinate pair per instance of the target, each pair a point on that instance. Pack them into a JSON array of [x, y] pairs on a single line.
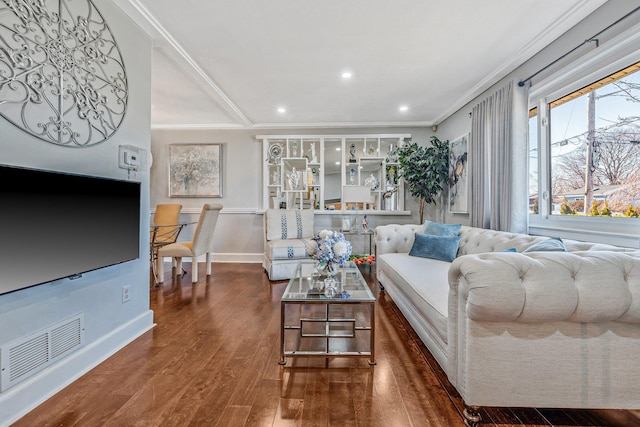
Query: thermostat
[[131, 158]]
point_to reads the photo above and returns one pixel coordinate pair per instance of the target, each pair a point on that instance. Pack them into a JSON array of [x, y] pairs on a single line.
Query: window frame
[[618, 53]]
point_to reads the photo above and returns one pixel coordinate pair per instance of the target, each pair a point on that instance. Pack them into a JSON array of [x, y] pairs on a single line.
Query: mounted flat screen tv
[[56, 225]]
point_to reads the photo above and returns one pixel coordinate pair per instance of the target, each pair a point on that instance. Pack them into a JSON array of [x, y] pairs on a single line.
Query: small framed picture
[[195, 170], [458, 172]]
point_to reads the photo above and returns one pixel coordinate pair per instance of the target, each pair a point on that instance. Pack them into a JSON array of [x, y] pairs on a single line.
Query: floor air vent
[[24, 357]]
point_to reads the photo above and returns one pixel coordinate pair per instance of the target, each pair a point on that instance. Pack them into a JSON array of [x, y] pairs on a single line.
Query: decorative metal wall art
[[62, 77]]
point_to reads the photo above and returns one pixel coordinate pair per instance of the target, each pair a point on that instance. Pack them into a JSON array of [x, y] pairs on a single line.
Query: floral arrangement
[[363, 259], [330, 249]]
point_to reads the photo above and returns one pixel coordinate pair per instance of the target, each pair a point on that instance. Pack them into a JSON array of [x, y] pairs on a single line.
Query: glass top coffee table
[[327, 318]]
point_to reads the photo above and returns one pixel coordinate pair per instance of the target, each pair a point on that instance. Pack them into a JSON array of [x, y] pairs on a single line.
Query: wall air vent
[[28, 355]]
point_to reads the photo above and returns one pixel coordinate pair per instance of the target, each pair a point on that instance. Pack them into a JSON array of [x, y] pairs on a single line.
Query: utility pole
[[590, 166]]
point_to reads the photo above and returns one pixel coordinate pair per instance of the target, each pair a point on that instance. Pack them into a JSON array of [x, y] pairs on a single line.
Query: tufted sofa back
[[479, 240], [399, 238]]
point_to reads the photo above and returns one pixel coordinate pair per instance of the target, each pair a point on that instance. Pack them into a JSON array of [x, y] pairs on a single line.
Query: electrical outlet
[[125, 294]]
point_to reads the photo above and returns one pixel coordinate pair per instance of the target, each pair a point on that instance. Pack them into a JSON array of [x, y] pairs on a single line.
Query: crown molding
[[415, 123], [197, 126], [322, 125]]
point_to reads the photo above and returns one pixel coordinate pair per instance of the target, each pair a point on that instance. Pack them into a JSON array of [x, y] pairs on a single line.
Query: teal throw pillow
[[438, 229], [550, 245], [443, 248], [509, 250]]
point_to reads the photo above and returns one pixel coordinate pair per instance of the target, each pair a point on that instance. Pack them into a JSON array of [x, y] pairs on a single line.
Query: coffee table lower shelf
[[327, 334]]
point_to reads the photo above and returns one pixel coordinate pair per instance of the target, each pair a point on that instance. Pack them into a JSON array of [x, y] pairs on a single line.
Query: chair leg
[[194, 269], [159, 269], [208, 263], [178, 266]]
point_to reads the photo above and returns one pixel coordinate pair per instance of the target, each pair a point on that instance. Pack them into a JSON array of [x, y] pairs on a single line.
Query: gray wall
[[460, 123], [239, 233], [109, 324]]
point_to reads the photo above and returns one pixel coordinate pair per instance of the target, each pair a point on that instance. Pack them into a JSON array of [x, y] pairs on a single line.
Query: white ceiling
[[231, 64]]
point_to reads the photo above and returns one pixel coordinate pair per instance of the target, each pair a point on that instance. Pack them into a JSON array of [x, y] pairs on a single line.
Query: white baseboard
[[24, 397], [252, 258]]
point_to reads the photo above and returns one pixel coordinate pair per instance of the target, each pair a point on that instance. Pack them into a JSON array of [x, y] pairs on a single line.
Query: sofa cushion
[[288, 249], [424, 282], [438, 229], [443, 248], [289, 223], [550, 245]]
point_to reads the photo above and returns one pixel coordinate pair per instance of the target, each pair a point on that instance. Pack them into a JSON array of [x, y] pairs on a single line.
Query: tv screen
[[56, 225]]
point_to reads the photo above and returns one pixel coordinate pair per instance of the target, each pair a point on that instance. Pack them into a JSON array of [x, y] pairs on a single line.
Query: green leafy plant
[[565, 208], [631, 212], [424, 169]]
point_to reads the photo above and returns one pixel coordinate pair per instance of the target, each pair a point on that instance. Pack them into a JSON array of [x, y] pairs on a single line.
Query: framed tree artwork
[[195, 170], [458, 175]]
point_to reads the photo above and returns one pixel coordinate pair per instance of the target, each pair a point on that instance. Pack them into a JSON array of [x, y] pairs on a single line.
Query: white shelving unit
[[325, 165]]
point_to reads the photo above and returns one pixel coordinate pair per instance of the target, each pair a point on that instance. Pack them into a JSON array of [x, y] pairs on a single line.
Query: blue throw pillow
[[438, 229], [550, 245], [443, 248], [509, 250]]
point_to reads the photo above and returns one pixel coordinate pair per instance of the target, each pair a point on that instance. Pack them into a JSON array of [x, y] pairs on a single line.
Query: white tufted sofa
[[537, 329]]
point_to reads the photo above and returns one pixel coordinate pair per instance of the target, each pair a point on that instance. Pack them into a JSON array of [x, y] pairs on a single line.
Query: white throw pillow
[[289, 223]]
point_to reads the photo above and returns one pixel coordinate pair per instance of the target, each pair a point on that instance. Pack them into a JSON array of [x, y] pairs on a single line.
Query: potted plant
[[425, 170]]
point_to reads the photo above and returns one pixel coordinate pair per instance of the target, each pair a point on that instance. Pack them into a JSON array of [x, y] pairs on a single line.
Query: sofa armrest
[[589, 286], [395, 238]]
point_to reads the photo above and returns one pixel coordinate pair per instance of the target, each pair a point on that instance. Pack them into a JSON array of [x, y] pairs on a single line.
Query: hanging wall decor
[[62, 77], [458, 175], [195, 170]]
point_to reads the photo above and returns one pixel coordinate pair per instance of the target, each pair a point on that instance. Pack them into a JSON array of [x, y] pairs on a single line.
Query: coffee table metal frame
[[361, 296]]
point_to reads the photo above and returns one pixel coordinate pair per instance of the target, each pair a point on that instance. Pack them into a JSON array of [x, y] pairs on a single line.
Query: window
[[595, 148], [533, 161], [584, 155]]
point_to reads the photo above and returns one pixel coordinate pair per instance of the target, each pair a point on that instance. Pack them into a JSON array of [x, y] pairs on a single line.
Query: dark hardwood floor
[[212, 360]]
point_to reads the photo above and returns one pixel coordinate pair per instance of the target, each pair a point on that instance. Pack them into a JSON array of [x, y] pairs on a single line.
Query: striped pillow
[[289, 223]]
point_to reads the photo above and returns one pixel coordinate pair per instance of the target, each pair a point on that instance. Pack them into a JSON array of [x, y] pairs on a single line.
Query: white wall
[[109, 324]]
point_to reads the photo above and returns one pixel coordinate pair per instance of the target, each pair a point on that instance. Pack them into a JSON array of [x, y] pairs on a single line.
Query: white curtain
[[498, 160]]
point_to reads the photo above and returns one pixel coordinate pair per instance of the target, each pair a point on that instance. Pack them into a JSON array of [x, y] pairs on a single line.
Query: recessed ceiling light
[[403, 108], [282, 110], [338, 148], [338, 163], [347, 75]]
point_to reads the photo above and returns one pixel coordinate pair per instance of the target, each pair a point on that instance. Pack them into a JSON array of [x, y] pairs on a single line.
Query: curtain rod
[[591, 39]]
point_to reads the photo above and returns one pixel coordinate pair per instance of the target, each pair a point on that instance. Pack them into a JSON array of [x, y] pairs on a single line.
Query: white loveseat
[[537, 329]]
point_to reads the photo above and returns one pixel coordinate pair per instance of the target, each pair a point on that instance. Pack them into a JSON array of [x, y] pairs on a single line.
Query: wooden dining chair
[[202, 244], [165, 223], [164, 229]]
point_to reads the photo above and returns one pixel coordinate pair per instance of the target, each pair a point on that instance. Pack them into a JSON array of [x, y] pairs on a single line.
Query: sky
[[570, 120]]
